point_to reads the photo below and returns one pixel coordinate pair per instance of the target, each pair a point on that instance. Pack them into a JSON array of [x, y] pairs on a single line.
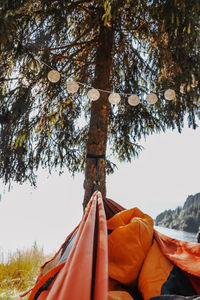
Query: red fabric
[[101, 270], [185, 255], [42, 280], [111, 208], [85, 273]]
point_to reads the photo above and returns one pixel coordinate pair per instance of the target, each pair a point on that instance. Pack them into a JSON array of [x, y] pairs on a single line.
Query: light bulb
[[93, 94], [72, 86], [53, 76], [152, 98], [170, 94], [114, 98], [133, 100]]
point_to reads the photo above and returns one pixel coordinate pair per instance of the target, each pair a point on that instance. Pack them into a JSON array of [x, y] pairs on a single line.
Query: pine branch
[[74, 45]]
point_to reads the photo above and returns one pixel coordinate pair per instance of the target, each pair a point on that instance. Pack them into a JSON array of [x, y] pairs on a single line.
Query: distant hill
[[185, 218]]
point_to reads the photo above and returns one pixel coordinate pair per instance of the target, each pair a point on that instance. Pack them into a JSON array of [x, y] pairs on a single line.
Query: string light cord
[[109, 92], [89, 86], [42, 62], [114, 97]]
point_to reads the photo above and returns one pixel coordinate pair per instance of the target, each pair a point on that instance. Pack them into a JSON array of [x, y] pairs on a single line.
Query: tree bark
[[99, 119]]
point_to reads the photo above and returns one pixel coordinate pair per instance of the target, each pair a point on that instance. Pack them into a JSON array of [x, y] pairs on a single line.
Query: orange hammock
[[81, 268]]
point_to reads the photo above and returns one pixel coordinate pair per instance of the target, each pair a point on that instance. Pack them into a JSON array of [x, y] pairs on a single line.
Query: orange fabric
[[76, 279], [111, 208], [43, 279], [154, 273], [47, 267], [101, 270], [84, 275], [45, 293], [128, 244], [183, 254], [119, 295], [117, 292]]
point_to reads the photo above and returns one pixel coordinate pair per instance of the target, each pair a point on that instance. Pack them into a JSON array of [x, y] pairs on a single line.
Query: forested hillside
[[185, 218]]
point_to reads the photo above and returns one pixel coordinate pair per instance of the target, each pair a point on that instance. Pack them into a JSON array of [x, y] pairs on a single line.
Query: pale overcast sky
[[166, 172]]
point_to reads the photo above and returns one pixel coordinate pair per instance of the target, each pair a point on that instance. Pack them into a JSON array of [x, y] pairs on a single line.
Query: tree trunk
[[98, 130]]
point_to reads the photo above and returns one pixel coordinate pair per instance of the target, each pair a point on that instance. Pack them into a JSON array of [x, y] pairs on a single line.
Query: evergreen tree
[[129, 47]]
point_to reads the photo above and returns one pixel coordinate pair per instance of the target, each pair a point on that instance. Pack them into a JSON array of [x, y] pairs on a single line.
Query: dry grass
[[19, 272]]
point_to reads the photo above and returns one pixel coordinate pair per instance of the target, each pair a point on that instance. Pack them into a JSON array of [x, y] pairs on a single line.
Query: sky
[[161, 178]]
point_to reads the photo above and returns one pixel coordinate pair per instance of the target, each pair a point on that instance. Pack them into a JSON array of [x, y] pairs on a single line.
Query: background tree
[[130, 47]]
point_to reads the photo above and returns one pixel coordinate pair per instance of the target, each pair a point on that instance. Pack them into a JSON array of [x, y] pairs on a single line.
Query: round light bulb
[[53, 76], [114, 98], [170, 94], [133, 100], [152, 98], [72, 86], [93, 94]]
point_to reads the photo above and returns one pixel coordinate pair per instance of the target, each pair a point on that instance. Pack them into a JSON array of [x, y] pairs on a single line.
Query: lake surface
[[177, 234]]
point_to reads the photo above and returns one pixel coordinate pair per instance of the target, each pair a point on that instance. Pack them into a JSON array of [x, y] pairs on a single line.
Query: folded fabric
[[154, 272], [117, 291], [128, 244]]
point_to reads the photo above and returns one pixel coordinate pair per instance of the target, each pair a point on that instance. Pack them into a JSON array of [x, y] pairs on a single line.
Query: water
[[177, 234]]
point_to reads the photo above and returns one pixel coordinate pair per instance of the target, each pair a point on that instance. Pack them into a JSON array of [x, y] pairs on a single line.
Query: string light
[[72, 86], [133, 100], [53, 76], [170, 94], [93, 94], [114, 98], [152, 98]]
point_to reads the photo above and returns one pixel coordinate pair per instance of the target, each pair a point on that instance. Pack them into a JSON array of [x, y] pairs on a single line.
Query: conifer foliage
[[126, 46]]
